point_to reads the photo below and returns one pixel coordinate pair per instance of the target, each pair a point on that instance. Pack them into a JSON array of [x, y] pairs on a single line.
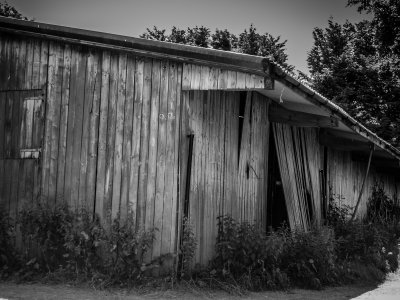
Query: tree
[[7, 10], [352, 65], [386, 22], [248, 42]]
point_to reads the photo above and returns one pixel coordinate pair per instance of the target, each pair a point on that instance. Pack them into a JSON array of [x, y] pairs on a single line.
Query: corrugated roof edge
[[336, 110], [238, 61]]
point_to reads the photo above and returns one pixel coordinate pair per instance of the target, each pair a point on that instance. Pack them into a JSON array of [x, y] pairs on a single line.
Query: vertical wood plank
[[204, 77], [222, 79], [28, 64], [249, 81], [161, 158], [195, 77], [36, 64], [94, 112], [54, 94], [74, 133], [119, 134], [231, 84], [241, 80], [153, 135], [102, 143], [112, 115], [144, 144], [187, 75], [2, 154], [213, 78], [127, 141], [62, 147], [169, 160], [4, 61], [135, 153]]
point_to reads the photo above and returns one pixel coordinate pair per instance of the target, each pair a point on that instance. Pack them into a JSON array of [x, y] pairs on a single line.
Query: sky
[[293, 20]]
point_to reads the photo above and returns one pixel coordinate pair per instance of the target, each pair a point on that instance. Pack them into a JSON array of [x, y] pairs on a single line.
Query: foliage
[[245, 255], [386, 22], [126, 245], [8, 253], [188, 247], [73, 245], [372, 241], [83, 239], [339, 252], [309, 258], [381, 208], [358, 66], [248, 42], [47, 227], [7, 10]]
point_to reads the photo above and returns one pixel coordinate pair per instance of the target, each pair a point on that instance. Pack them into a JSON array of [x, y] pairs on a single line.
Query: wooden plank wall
[[23, 74], [111, 134], [196, 77], [224, 179], [112, 137], [345, 178]]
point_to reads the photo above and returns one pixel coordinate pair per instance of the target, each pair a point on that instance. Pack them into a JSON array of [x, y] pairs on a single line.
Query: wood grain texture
[[100, 207]]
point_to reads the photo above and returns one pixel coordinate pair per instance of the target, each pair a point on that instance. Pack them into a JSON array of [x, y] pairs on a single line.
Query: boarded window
[[21, 124]]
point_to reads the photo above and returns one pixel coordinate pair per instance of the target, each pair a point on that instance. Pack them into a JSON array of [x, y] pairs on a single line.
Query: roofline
[[190, 54], [337, 111]]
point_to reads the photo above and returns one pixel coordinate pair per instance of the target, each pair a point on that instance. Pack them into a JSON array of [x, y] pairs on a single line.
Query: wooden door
[[21, 132]]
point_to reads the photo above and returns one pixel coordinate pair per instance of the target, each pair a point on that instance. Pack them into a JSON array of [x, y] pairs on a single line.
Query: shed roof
[[288, 91]]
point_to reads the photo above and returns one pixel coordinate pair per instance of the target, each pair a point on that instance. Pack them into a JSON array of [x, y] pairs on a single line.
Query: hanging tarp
[[299, 163]]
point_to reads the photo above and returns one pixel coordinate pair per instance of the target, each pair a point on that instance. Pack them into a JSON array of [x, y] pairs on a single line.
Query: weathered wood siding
[[345, 178], [110, 137], [23, 74], [196, 77], [228, 173]]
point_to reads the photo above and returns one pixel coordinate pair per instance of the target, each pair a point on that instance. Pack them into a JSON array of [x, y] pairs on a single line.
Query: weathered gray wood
[[94, 108], [54, 94], [161, 157], [127, 140], [102, 143], [62, 147], [167, 217], [119, 134], [144, 142], [74, 134], [153, 136], [135, 152]]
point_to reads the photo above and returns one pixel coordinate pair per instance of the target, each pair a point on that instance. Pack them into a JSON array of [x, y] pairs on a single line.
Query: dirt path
[[389, 290], [10, 291]]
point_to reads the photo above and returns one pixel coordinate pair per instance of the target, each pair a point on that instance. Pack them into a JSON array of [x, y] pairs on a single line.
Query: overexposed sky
[[293, 20]]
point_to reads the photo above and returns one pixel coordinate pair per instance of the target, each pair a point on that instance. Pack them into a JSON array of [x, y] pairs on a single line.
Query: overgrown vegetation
[[72, 245], [66, 245], [339, 252]]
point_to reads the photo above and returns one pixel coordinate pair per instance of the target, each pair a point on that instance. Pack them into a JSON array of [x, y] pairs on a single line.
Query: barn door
[[21, 132]]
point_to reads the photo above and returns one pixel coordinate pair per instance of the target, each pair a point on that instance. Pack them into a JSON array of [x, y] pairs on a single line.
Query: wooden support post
[[362, 186]]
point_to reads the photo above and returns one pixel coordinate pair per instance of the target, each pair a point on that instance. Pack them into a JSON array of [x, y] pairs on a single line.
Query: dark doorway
[[276, 206]]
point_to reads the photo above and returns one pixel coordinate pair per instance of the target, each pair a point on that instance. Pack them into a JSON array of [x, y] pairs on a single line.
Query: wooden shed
[[171, 131]]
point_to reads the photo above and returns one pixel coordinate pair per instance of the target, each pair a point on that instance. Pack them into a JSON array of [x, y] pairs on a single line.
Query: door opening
[[276, 206]]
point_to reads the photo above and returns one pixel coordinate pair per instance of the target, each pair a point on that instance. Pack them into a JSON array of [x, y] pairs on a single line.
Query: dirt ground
[[9, 290]]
